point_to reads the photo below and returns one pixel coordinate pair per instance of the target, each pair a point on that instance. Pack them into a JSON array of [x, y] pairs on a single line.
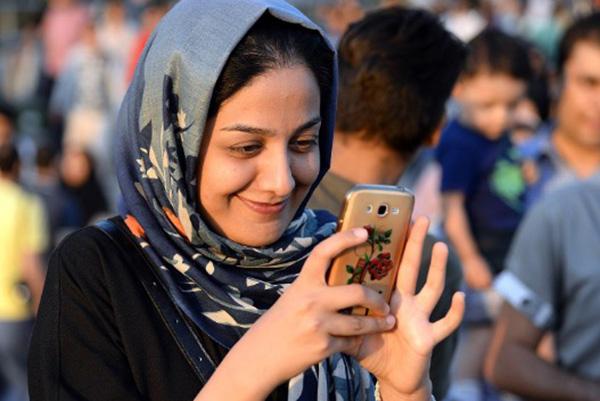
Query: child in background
[[482, 185]]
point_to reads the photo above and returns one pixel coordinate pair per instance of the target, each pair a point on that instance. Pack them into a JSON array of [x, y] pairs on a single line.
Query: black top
[[99, 337]]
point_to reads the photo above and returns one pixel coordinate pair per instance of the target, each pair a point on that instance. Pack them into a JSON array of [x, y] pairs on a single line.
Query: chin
[[492, 136]]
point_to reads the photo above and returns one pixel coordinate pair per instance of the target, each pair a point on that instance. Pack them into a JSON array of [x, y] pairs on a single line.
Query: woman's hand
[[302, 328], [399, 358]]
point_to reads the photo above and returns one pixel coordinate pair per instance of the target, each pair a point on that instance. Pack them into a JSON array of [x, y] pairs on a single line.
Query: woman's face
[[75, 167], [260, 156]]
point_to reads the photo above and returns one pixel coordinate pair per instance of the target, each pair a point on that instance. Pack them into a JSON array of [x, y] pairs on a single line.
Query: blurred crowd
[[507, 142]]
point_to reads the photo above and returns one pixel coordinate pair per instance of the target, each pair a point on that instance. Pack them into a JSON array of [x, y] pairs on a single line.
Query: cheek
[[305, 168], [570, 108], [573, 99], [221, 178], [480, 119]]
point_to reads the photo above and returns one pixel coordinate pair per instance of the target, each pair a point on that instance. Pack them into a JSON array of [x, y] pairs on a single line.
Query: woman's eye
[[246, 150], [304, 145]]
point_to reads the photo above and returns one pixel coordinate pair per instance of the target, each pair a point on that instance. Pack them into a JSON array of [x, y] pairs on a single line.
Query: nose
[[276, 174]]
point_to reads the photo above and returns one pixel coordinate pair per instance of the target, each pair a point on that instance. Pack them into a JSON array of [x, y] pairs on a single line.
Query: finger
[[349, 325], [346, 296], [434, 286], [411, 259], [446, 325], [320, 258]]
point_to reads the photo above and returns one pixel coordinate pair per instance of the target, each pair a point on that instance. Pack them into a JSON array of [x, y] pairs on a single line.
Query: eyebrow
[[266, 132]]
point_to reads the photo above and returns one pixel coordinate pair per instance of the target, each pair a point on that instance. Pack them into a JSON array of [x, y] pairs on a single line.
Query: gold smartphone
[[385, 211]]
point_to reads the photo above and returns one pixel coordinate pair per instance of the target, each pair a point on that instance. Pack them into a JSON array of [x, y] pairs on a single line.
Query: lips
[[266, 208]]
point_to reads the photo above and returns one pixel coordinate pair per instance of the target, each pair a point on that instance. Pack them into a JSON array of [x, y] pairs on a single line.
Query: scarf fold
[[222, 286]]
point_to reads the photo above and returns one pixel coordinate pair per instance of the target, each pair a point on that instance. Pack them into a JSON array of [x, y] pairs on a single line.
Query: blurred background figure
[[6, 125], [338, 15], [569, 148], [532, 111], [83, 98], [23, 240], [22, 68], [551, 283], [85, 196], [554, 284], [63, 23], [80, 96], [483, 191], [464, 19], [62, 26], [61, 212], [115, 36]]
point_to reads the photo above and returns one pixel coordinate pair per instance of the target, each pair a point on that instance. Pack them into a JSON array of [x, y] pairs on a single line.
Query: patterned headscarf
[[223, 287]]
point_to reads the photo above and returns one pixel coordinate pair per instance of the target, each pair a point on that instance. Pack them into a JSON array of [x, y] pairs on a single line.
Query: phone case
[[375, 263]]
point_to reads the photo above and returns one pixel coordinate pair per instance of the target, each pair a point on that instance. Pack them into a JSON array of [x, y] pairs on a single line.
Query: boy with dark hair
[[482, 186], [551, 281], [397, 69]]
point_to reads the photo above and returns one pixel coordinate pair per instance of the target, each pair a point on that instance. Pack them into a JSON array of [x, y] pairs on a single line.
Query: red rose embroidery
[[377, 265]]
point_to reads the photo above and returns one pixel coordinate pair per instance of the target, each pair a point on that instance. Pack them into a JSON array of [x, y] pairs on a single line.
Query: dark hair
[[397, 69], [8, 112], [496, 52], [45, 156], [584, 29], [538, 89], [269, 44], [9, 158], [160, 4]]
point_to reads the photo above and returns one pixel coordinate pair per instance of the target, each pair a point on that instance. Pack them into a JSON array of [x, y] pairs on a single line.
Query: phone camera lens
[[382, 210]]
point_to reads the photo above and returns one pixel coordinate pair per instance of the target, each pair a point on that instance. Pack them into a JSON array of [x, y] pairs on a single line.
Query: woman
[[225, 132], [80, 186]]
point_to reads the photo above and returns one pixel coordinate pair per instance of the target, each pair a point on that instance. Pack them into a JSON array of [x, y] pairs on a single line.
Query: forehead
[[490, 87], [584, 59], [279, 97]]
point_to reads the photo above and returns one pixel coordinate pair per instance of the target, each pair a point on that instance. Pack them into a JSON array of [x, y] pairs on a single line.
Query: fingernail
[[390, 320], [386, 309], [360, 233]]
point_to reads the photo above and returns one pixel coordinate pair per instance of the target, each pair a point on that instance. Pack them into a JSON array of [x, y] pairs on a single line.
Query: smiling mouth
[[263, 207]]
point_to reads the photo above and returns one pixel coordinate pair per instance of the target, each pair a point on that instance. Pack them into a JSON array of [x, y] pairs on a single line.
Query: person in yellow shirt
[[23, 238]]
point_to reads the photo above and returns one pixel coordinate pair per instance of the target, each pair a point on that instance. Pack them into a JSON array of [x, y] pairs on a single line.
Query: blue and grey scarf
[[222, 286]]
